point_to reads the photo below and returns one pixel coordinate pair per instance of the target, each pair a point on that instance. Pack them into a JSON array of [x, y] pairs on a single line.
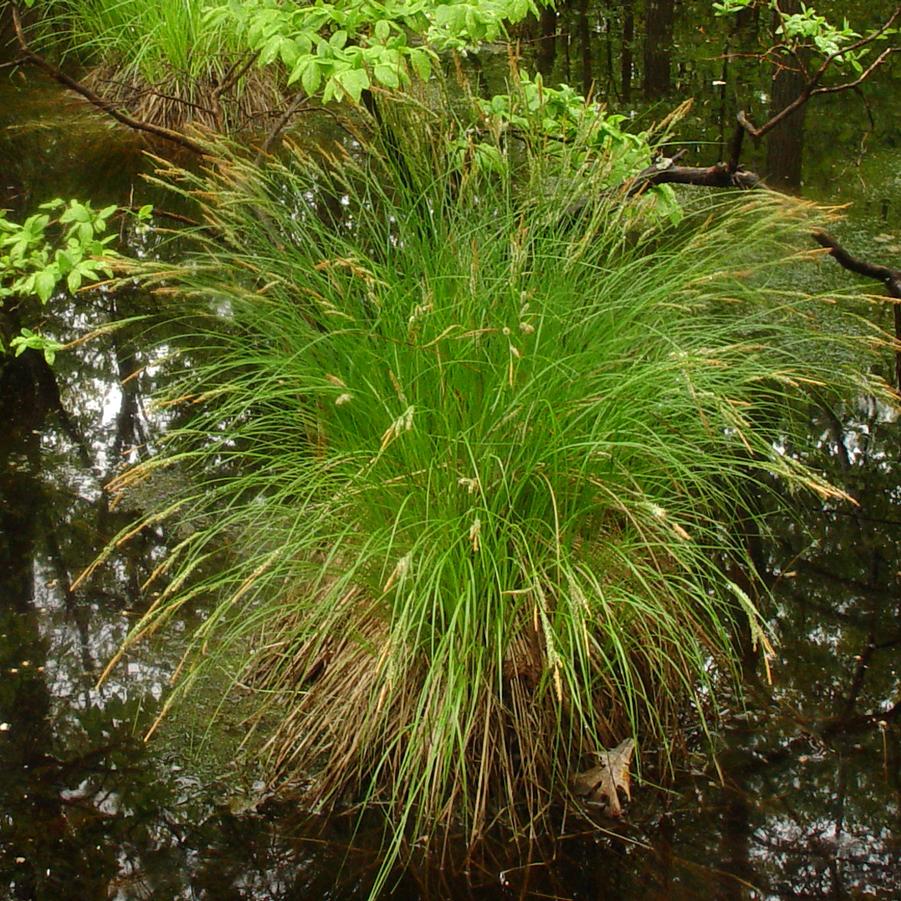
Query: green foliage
[[337, 49], [39, 253], [32, 262], [809, 30], [459, 474], [28, 340], [345, 48], [561, 125]]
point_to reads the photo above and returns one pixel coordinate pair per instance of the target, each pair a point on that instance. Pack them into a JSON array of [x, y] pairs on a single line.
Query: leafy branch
[[39, 254], [808, 34], [344, 49]]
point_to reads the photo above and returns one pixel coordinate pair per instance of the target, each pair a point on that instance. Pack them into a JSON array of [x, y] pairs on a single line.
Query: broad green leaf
[[353, 82], [77, 212], [289, 53], [387, 75], [312, 77], [421, 63], [44, 283]]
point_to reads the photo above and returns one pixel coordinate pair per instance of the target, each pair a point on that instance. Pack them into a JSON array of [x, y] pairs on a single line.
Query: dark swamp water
[[806, 804]]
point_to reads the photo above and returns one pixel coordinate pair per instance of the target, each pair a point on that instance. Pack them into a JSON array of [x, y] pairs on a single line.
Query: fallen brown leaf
[[600, 783]]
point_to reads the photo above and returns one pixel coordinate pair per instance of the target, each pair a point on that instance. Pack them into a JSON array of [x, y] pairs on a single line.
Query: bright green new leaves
[[809, 30], [41, 252], [560, 123], [348, 47], [29, 340], [33, 263], [807, 26]]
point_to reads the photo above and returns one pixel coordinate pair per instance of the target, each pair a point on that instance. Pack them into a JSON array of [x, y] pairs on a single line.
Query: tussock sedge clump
[[462, 476]]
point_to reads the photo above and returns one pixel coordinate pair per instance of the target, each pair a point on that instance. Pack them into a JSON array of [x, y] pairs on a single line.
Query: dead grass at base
[[179, 102]]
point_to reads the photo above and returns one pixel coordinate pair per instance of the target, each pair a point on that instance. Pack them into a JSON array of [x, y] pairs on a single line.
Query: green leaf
[[270, 50], [338, 40], [289, 53], [312, 77], [387, 75], [73, 280], [490, 159], [421, 63], [353, 82], [65, 261], [77, 212], [44, 283]]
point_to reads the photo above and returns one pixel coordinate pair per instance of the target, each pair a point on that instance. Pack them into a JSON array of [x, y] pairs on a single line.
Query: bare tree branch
[[280, 125], [891, 278], [834, 89], [717, 176]]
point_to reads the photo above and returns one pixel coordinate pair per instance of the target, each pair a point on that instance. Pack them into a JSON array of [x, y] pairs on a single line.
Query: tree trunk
[[785, 143], [585, 40], [658, 45], [547, 42], [626, 62]]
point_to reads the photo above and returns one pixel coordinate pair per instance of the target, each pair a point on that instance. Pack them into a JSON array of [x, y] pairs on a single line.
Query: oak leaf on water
[[600, 784]]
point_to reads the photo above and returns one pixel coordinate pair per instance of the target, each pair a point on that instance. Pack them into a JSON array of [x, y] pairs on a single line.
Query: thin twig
[[280, 126], [161, 213], [154, 92], [235, 74]]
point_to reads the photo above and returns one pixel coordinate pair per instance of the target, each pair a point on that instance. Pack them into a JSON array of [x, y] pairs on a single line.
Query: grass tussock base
[[463, 478], [176, 100]]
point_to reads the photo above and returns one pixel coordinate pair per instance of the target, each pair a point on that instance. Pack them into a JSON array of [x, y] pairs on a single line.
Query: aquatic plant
[[464, 460]]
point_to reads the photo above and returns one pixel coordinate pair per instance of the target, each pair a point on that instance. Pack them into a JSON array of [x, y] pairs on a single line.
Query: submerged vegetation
[[465, 457]]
